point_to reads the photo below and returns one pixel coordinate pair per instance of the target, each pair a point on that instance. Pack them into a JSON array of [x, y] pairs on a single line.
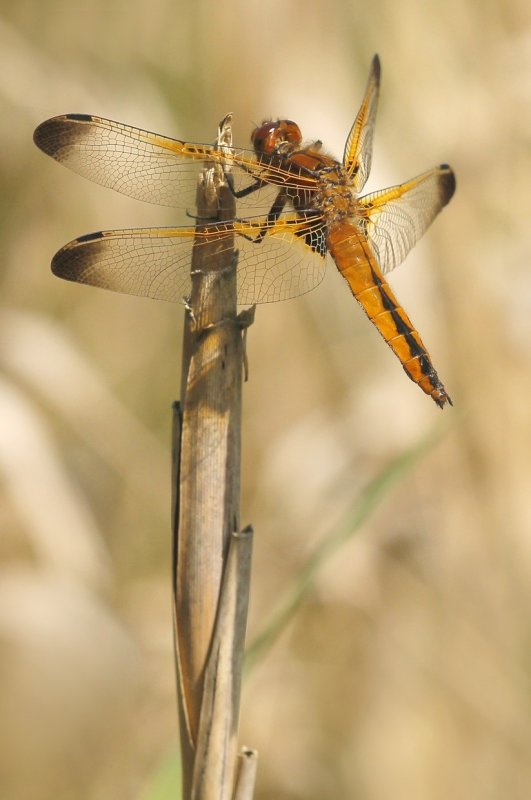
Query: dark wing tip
[[54, 132], [71, 260], [62, 263], [42, 135], [376, 66], [447, 183]]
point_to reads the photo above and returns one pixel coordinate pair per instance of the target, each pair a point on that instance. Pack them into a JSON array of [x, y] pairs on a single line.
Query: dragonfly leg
[[199, 218], [253, 187], [273, 215]]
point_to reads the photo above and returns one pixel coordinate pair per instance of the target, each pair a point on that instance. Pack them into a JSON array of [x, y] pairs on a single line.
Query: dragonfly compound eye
[[271, 137]]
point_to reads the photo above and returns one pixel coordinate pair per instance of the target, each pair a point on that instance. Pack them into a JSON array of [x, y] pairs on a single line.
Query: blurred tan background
[[406, 674]]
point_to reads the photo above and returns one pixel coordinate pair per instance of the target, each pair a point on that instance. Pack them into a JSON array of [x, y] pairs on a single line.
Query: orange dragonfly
[[295, 204]]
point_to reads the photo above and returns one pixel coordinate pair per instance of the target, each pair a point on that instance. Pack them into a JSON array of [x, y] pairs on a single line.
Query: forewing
[[155, 262], [394, 219], [148, 166], [358, 149]]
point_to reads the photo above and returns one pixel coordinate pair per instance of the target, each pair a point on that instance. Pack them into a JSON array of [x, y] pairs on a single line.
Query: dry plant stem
[[245, 781], [209, 571], [215, 758]]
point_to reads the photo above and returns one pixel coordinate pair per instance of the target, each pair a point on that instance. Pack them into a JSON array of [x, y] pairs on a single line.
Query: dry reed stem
[[211, 575], [245, 780]]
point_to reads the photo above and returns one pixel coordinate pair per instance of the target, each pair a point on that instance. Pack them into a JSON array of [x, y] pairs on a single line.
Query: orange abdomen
[[358, 266]]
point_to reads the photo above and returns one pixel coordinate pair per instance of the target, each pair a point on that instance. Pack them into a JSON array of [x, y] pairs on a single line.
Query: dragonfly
[[295, 205]]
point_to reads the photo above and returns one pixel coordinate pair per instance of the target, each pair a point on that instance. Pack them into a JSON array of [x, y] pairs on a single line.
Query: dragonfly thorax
[[332, 193], [336, 197]]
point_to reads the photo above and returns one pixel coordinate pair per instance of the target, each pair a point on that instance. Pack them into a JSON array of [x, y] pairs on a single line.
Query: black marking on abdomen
[[403, 329]]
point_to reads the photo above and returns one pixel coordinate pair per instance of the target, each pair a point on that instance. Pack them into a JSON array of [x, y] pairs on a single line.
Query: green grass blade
[[165, 782]]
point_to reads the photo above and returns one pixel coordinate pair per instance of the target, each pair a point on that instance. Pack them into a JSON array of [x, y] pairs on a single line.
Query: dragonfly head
[[280, 137]]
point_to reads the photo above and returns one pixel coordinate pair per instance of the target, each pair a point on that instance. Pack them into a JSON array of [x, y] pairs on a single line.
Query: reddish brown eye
[[263, 137], [269, 136], [291, 131]]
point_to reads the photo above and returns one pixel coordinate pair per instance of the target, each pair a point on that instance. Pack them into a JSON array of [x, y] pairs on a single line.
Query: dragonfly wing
[[155, 262], [394, 219], [358, 148], [290, 261], [150, 167]]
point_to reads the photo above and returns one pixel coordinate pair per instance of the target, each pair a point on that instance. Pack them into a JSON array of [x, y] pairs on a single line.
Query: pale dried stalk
[[215, 758], [211, 566], [245, 781]]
